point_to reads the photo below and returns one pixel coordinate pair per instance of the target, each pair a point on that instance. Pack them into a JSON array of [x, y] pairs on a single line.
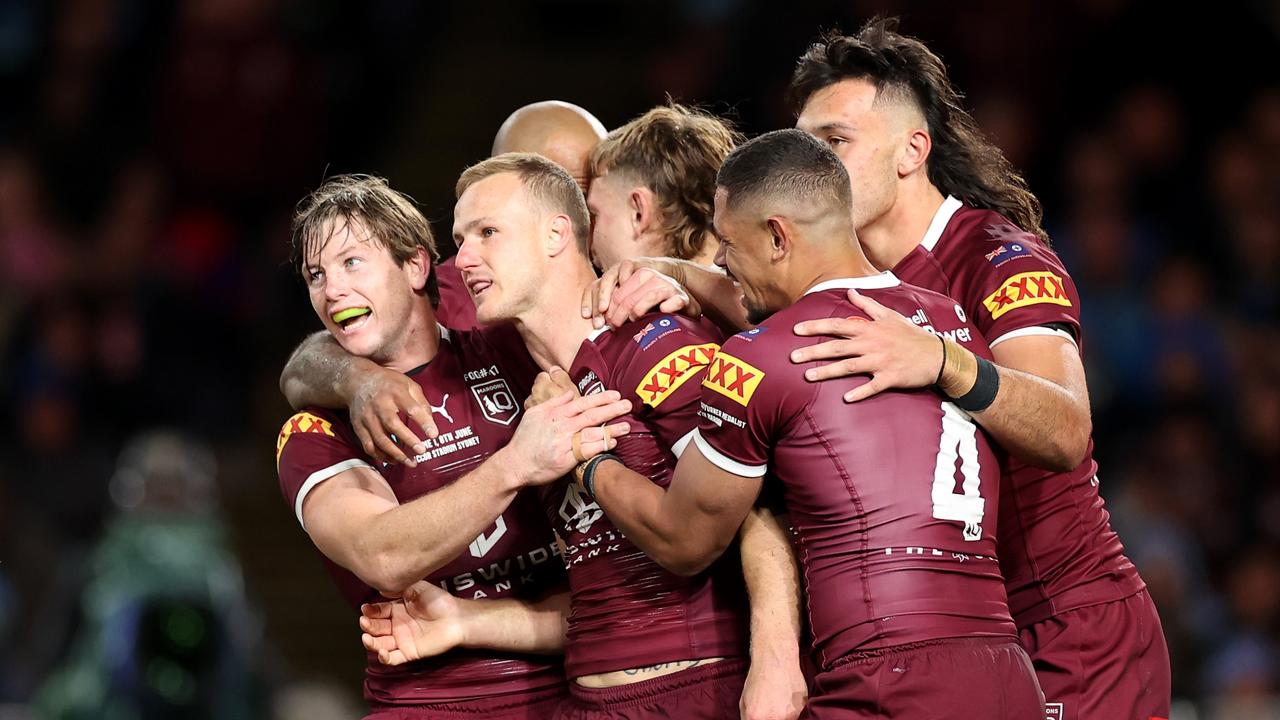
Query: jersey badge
[[303, 422], [496, 400], [733, 378], [1006, 252], [752, 334], [1028, 288], [654, 330], [673, 371]]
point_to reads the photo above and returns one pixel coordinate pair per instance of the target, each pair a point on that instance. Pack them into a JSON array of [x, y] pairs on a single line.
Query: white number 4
[[959, 441]]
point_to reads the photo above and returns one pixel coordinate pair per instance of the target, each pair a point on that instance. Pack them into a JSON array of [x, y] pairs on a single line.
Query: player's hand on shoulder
[[633, 288], [424, 622], [557, 434], [376, 404], [891, 349]]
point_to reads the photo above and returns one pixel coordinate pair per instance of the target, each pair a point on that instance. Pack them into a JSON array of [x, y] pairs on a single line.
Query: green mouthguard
[[350, 313]]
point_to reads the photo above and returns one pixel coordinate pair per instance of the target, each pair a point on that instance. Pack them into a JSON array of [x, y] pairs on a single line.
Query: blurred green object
[[165, 631]]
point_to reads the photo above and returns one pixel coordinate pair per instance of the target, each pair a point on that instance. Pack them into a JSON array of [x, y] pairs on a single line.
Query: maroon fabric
[[1057, 549], [974, 679], [1103, 662], [476, 385], [627, 610], [893, 499], [707, 692], [456, 308], [520, 706]]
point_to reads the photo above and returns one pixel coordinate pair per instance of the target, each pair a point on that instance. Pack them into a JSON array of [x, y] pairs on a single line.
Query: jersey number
[[959, 441]]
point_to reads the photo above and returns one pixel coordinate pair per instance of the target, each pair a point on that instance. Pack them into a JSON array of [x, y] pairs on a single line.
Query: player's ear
[[418, 267], [643, 209], [915, 151], [780, 235], [559, 234]]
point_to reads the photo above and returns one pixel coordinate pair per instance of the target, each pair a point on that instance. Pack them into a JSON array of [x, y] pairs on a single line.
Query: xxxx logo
[[1028, 288], [303, 422], [733, 378], [673, 371]]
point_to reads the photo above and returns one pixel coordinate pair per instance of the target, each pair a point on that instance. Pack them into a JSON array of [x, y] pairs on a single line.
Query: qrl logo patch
[[733, 378], [1028, 288], [303, 422], [497, 402], [673, 371]]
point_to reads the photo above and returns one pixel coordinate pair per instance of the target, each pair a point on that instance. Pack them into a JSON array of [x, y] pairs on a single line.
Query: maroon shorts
[[954, 679], [1107, 661], [519, 706], [707, 692]]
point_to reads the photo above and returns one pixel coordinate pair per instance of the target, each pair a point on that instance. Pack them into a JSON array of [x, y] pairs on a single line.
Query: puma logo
[[442, 409]]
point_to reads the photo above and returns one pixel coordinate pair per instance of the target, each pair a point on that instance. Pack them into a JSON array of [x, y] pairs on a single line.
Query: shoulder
[[313, 426], [989, 242]]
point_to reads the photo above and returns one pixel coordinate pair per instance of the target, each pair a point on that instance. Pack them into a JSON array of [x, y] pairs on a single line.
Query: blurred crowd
[[151, 154]]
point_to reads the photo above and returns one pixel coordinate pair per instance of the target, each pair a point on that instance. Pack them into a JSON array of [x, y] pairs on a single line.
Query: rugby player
[[456, 516]]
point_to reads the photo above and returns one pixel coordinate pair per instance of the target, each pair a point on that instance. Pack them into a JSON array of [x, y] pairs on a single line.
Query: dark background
[[151, 154]]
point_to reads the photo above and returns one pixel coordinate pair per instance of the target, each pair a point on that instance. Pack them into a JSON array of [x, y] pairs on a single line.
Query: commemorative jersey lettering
[[1057, 548], [893, 499], [515, 557], [627, 611]]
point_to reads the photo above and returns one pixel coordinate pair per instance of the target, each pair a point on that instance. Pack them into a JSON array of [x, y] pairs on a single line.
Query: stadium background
[[150, 155]]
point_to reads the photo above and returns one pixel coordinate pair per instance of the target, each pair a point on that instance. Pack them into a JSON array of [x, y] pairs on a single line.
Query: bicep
[[334, 511], [1052, 357], [709, 498]]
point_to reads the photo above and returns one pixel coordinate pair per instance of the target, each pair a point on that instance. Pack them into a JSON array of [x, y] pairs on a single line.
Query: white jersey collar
[[880, 281], [940, 220]]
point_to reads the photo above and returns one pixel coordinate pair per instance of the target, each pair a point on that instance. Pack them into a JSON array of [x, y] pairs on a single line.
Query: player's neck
[[554, 329], [421, 340], [849, 263], [892, 236]]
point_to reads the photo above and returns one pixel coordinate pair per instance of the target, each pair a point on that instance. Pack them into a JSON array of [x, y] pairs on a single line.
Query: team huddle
[[694, 426]]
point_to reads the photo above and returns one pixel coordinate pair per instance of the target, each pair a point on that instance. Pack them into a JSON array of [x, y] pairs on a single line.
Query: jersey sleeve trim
[[682, 443], [320, 476], [1035, 330], [940, 221], [726, 463]]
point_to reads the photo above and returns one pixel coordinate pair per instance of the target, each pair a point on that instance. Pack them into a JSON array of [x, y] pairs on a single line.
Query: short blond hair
[[546, 183], [675, 151]]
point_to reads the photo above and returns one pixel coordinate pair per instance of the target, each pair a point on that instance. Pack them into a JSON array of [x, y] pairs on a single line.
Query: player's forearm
[[773, 587], [518, 625], [640, 509], [320, 373], [1038, 421], [1034, 418], [405, 544], [715, 292]]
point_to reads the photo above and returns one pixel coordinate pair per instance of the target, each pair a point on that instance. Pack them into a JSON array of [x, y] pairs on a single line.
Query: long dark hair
[[962, 162]]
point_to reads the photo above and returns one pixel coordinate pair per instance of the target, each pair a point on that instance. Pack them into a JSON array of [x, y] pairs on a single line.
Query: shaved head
[[559, 131]]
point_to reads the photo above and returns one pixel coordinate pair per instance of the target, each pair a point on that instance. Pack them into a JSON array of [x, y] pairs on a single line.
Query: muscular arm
[[687, 526], [319, 371], [356, 521], [519, 626], [1040, 413], [775, 686]]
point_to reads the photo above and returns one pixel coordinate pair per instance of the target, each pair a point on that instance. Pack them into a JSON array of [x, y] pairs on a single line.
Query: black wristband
[[984, 389], [589, 472]]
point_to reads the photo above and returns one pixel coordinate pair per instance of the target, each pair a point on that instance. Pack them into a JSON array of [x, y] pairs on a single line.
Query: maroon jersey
[[456, 308], [892, 499], [1057, 548], [475, 385], [627, 611]]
